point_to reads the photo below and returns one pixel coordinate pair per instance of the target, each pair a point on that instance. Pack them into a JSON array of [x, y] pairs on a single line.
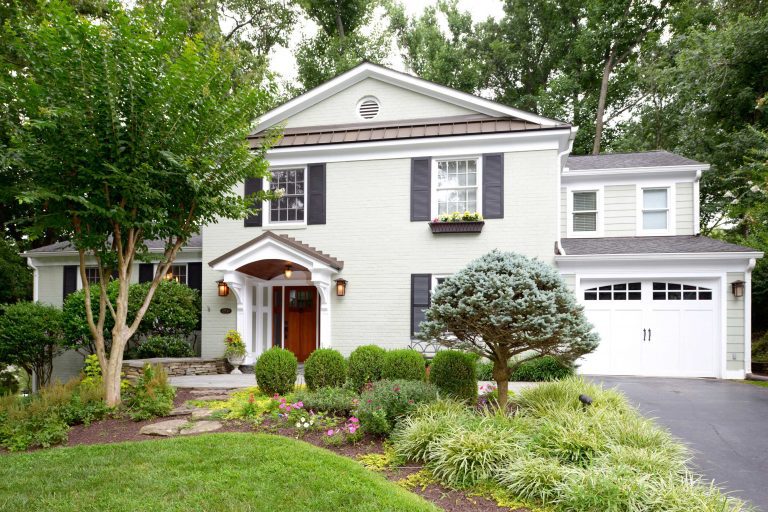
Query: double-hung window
[[458, 185], [178, 273], [655, 209], [92, 275], [290, 207], [584, 214]]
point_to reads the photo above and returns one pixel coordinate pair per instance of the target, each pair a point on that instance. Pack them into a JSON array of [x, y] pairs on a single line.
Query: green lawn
[[220, 472], [760, 383]]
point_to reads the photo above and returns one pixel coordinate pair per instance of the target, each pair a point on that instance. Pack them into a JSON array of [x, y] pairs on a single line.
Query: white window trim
[[599, 232], [433, 284], [671, 211], [479, 183], [179, 263], [266, 212]]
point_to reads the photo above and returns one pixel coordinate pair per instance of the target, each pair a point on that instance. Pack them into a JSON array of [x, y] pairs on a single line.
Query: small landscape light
[[585, 400]]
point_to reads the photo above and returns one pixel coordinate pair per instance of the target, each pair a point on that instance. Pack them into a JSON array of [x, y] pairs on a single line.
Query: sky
[[283, 62]]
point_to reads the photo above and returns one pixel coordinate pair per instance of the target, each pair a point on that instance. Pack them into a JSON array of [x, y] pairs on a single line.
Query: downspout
[[561, 165], [748, 316], [35, 298], [696, 204]]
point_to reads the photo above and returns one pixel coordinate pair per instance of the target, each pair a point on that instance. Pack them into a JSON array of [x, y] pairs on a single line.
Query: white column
[[243, 291], [322, 281]]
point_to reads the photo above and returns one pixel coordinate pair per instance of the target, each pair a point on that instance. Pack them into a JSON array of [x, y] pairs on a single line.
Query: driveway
[[724, 422]]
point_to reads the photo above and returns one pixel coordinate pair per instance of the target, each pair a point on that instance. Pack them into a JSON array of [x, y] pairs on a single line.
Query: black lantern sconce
[[223, 288], [341, 287], [737, 288]]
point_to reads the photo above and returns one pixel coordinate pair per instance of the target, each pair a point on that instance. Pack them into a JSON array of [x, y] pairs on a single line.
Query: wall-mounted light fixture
[[223, 288], [341, 287], [288, 272], [737, 288]]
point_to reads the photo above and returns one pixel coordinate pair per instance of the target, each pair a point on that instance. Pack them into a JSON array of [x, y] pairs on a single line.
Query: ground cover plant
[[557, 453], [151, 395], [212, 472], [388, 401]]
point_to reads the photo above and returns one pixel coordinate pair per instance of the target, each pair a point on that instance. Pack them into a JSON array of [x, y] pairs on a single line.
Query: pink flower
[[354, 420], [330, 432], [352, 430], [299, 404]]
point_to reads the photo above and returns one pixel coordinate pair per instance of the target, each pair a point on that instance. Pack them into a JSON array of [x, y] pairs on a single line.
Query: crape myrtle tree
[[504, 305], [126, 127]]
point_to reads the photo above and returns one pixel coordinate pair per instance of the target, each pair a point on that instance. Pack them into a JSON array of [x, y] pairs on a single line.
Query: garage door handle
[[649, 335], [644, 334]]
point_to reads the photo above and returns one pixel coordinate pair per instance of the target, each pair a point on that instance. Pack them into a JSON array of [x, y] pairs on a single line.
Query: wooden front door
[[300, 320]]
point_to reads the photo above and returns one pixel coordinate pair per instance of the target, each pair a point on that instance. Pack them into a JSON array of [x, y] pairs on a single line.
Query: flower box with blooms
[[458, 222]]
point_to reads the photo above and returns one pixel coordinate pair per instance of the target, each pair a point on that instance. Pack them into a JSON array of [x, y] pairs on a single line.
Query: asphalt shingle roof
[[649, 245], [628, 160], [195, 242]]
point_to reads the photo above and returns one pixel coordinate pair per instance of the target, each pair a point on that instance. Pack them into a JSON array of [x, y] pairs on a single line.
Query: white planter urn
[[236, 361]]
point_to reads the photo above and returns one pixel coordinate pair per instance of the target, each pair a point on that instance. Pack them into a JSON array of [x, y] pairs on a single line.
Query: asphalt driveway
[[724, 422]]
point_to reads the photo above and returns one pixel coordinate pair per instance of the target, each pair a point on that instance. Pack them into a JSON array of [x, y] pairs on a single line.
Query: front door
[[300, 327]]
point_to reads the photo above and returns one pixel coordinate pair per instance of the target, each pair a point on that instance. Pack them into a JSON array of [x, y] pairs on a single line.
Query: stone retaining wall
[[176, 366]]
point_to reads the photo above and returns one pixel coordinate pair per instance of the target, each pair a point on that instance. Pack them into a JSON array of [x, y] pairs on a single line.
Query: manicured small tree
[[31, 335], [403, 364], [365, 365], [325, 368], [276, 371], [503, 305], [454, 374]]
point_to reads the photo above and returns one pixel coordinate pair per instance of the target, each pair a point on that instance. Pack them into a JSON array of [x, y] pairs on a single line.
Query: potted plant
[[458, 222], [234, 350]]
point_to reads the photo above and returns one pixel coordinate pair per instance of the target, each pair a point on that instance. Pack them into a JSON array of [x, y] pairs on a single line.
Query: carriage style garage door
[[658, 327]]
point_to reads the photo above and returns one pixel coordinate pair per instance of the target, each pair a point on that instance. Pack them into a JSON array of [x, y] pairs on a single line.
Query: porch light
[[737, 287], [288, 272], [341, 287], [223, 288]]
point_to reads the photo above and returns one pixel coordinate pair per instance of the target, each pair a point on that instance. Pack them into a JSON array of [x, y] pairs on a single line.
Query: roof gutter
[[657, 256]]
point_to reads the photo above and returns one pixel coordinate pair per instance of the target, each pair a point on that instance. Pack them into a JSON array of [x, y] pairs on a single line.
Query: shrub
[[31, 335], [544, 368], [276, 371], [151, 396], [405, 364], [324, 368], [760, 349], [9, 380], [365, 365], [453, 372], [484, 370], [387, 401], [161, 346], [337, 401]]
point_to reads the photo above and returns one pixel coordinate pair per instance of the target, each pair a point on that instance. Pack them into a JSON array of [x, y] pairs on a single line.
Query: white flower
[[755, 189], [298, 425], [279, 192], [735, 201], [750, 182], [728, 194]]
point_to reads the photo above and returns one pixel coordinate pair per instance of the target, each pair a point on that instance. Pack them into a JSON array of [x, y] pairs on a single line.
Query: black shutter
[[316, 193], [421, 189], [146, 272], [195, 276], [70, 279], [253, 185], [493, 186], [420, 299]]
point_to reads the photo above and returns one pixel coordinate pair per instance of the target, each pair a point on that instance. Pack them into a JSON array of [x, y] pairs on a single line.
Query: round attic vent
[[368, 108]]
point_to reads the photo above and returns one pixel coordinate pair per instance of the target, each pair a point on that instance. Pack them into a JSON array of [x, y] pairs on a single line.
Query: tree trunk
[[601, 103], [501, 373], [339, 24]]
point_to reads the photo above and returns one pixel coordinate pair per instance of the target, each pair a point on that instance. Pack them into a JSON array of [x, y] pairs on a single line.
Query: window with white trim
[[584, 214], [458, 185], [289, 208], [92, 275], [613, 292], [177, 272], [655, 209]]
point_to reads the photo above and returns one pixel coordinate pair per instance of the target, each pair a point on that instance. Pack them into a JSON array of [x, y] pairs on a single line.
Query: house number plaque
[[225, 311]]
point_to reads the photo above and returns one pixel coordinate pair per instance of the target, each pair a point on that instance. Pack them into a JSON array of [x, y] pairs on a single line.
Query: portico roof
[[288, 241]]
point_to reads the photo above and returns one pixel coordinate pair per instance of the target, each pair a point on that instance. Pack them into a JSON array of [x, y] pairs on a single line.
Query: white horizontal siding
[[564, 212], [620, 203], [684, 207], [734, 325]]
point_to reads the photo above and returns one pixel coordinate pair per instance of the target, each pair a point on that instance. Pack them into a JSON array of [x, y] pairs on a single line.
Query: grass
[[243, 472], [759, 383]]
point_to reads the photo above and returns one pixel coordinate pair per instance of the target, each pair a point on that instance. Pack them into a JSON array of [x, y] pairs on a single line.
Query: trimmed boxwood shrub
[[388, 401], [541, 369], [404, 364], [453, 372], [365, 365], [161, 346], [276, 371], [325, 368]]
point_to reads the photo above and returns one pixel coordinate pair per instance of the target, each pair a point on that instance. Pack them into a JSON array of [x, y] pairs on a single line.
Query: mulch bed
[[116, 430]]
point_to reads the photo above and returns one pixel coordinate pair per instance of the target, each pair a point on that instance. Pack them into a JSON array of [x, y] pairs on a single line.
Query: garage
[[660, 327]]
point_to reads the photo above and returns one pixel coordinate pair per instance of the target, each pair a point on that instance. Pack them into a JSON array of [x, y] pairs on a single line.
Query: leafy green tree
[[127, 129], [504, 305], [15, 275], [31, 335]]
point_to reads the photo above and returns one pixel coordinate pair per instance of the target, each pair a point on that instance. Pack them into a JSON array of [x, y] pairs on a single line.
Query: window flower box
[[475, 226]]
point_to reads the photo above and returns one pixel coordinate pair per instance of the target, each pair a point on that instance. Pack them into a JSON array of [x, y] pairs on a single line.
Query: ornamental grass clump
[[415, 434], [324, 368], [533, 478], [151, 396], [276, 371]]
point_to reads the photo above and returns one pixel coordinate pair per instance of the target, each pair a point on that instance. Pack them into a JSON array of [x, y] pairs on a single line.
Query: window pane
[[654, 220], [584, 201], [590, 295], [584, 221], [634, 295], [655, 198], [620, 296], [290, 207], [634, 286]]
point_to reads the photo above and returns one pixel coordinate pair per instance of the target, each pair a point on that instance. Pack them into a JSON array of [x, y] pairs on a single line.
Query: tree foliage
[[31, 335], [504, 305], [128, 126], [15, 275]]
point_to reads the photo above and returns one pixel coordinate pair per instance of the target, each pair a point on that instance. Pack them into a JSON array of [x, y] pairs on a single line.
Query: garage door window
[[619, 291], [677, 291]]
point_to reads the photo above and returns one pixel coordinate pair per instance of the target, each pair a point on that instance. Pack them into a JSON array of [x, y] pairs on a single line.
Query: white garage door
[[659, 327]]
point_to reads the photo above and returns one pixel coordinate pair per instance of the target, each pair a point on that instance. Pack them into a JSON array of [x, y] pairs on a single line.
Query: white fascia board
[[567, 172], [746, 256], [535, 140], [42, 259], [368, 70], [658, 264]]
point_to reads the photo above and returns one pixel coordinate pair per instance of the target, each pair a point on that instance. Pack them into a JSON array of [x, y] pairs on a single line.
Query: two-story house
[[349, 255]]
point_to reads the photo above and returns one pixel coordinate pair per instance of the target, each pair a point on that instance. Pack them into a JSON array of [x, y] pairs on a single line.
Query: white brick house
[[371, 157]]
